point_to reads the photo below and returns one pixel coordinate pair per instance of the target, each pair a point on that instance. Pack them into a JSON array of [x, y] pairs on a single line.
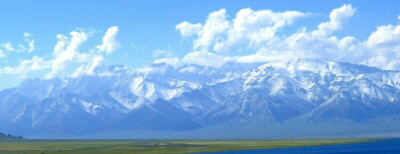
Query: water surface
[[381, 146]]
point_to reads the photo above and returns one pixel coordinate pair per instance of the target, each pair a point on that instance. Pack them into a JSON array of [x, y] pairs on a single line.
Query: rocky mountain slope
[[194, 98]]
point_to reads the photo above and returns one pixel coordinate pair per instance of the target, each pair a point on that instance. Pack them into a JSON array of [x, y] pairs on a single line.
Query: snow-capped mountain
[[193, 98]]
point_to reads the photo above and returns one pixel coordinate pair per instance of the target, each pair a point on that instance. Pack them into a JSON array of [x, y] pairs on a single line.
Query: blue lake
[[382, 146]]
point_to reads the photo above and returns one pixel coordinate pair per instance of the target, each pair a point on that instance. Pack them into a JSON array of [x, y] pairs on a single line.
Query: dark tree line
[[9, 135]]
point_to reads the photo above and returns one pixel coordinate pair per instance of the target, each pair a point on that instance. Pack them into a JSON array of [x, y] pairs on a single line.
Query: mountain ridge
[[160, 97]]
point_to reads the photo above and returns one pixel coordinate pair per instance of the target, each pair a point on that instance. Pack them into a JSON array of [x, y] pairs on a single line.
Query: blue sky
[[146, 31]]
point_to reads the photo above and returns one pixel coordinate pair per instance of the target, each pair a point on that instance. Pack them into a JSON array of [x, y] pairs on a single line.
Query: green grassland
[[155, 146]]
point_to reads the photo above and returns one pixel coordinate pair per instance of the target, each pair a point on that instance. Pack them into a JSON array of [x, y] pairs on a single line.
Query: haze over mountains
[[298, 98]]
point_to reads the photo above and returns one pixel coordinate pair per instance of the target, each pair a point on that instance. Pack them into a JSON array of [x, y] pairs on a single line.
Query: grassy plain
[[155, 146]]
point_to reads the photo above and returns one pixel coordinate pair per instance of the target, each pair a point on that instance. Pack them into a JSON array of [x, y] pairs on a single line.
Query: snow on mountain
[[161, 97]]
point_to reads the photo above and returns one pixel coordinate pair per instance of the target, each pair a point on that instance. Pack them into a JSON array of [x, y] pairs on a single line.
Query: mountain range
[[286, 99]]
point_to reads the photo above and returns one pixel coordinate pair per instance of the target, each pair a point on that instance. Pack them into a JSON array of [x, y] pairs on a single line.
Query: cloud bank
[[258, 31], [66, 53], [255, 35]]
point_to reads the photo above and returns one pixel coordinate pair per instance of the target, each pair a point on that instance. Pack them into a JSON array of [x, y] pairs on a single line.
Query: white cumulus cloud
[[259, 31], [173, 61], [215, 24], [187, 29], [256, 27], [66, 53], [30, 41], [166, 56], [36, 63], [7, 46], [337, 17], [384, 47], [110, 43]]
